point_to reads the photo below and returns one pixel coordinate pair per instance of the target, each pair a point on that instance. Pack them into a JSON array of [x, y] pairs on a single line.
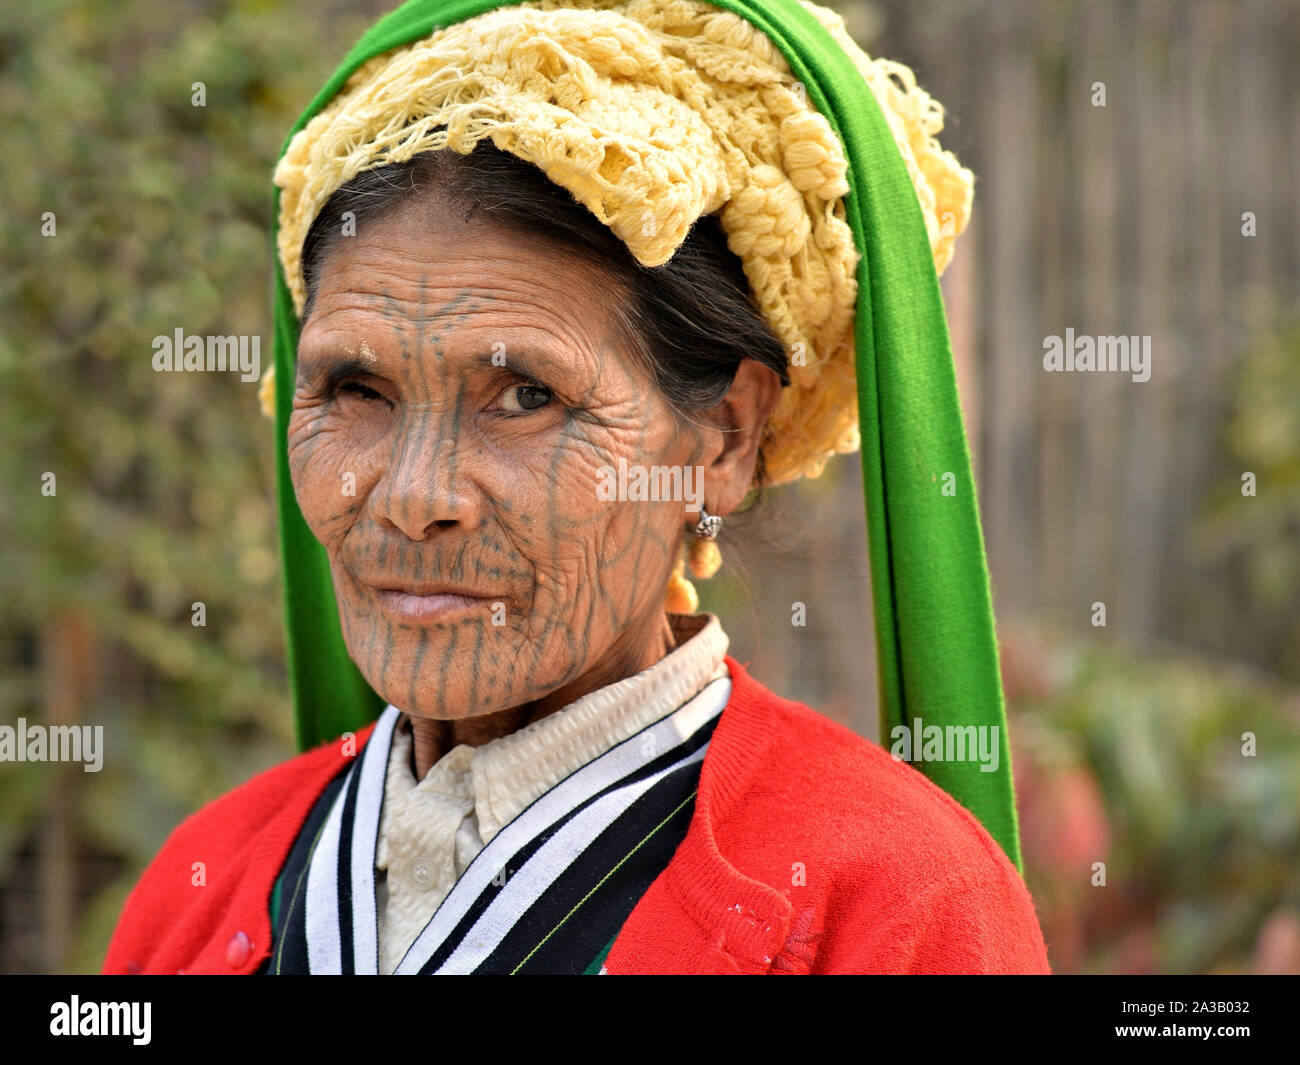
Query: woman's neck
[[433, 738]]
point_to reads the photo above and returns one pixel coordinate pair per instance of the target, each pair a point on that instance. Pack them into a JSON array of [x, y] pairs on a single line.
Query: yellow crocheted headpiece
[[653, 113]]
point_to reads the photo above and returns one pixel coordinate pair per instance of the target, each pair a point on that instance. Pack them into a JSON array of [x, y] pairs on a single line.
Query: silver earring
[[709, 527]]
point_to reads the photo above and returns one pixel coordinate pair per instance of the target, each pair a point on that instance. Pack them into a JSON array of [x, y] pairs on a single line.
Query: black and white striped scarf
[[547, 894]]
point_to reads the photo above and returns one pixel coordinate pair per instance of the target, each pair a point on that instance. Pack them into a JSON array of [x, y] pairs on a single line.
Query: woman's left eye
[[523, 398], [364, 391]]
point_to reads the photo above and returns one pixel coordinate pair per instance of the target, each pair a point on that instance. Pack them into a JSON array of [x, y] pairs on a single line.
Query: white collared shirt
[[430, 831]]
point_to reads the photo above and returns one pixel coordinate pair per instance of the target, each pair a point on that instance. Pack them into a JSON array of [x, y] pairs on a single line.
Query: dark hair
[[689, 322]]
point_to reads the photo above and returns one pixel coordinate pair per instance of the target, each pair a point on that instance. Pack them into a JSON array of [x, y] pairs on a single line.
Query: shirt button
[[421, 873], [132, 969], [238, 950]]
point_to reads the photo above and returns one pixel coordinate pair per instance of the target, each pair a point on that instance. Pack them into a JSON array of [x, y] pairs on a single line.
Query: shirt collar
[[505, 775]]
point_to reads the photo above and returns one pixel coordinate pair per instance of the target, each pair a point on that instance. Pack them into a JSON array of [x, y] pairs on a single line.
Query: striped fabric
[[547, 894]]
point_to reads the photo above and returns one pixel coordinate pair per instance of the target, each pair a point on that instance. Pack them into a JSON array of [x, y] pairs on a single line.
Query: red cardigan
[[811, 850]]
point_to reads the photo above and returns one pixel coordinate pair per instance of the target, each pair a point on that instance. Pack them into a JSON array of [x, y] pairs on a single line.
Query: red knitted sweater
[[811, 850]]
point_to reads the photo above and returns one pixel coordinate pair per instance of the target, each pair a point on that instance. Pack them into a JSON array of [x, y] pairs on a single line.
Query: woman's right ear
[[742, 418]]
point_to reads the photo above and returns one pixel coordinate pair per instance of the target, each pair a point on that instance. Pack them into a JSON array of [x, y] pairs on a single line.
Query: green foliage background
[[163, 481]]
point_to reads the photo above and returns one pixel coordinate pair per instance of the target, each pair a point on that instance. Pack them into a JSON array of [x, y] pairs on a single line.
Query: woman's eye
[[520, 398], [361, 390]]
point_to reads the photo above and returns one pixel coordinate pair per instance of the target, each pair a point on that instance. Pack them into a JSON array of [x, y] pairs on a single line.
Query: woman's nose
[[426, 486]]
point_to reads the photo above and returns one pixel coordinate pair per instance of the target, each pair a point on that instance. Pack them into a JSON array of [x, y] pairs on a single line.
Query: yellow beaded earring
[[704, 558], [681, 597]]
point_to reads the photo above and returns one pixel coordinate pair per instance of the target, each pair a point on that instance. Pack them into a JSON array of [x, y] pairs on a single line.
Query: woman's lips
[[427, 606]]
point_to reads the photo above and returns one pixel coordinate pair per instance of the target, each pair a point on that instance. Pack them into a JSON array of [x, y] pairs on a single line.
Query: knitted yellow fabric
[[653, 114]]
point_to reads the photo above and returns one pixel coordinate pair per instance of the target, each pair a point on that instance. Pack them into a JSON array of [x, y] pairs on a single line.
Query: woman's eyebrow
[[529, 362], [333, 366], [330, 365]]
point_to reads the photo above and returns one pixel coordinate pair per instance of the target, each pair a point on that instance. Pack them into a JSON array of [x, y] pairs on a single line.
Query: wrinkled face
[[461, 398]]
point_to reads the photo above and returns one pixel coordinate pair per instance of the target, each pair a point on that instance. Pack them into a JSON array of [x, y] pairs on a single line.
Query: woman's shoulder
[[835, 822], [821, 772], [217, 868]]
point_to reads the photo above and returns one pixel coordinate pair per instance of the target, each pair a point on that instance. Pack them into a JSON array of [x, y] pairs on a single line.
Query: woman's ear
[[740, 419]]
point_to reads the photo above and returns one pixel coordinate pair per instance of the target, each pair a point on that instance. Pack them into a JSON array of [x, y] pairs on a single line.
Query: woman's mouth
[[415, 603]]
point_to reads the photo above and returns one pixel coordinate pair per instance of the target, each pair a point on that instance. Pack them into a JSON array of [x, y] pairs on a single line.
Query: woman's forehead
[[413, 250], [452, 282]]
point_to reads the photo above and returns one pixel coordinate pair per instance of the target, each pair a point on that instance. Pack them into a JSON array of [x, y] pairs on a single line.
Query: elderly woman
[[561, 283]]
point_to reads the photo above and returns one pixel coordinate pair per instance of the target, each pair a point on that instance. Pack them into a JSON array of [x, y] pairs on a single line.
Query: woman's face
[[457, 396]]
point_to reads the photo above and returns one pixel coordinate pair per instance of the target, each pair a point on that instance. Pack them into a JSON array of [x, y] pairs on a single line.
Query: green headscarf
[[937, 655]]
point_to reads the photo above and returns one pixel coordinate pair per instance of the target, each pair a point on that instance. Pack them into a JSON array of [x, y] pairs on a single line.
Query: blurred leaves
[[1140, 761], [1258, 536], [164, 480]]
